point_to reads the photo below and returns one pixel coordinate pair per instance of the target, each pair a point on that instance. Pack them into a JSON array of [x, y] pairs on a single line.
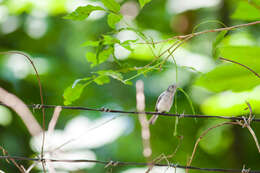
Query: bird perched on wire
[[164, 102]]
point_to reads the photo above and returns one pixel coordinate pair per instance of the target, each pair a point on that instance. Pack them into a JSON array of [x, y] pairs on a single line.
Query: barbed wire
[[120, 163], [39, 106]]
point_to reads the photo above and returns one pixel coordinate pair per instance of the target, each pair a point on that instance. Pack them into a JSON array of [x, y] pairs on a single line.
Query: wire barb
[[244, 170], [119, 163], [234, 118]]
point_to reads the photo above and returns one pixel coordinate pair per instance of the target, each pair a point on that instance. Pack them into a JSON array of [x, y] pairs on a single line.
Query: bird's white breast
[[165, 103]]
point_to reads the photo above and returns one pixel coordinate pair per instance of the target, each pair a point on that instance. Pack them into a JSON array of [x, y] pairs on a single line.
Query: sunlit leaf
[[91, 43], [109, 40], [138, 32], [127, 44], [246, 11], [100, 80], [229, 76], [74, 91], [102, 56], [142, 52], [232, 103], [215, 43], [111, 5], [113, 74], [113, 19], [98, 51], [143, 2], [82, 13], [91, 57]]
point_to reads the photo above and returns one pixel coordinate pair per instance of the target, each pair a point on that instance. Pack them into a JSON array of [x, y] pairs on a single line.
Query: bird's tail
[[153, 119]]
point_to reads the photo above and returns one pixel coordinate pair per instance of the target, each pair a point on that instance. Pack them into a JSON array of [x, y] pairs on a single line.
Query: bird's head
[[172, 88]]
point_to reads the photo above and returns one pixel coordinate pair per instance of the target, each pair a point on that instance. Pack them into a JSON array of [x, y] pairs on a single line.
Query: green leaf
[[216, 43], [242, 54], [91, 57], [100, 80], [113, 19], [98, 50], [82, 13], [143, 2], [109, 40], [90, 43], [74, 91], [139, 33], [102, 56], [246, 11], [111, 5], [127, 44], [229, 76], [113, 74], [231, 103]]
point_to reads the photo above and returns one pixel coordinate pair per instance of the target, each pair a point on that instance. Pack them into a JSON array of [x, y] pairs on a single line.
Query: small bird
[[164, 102]]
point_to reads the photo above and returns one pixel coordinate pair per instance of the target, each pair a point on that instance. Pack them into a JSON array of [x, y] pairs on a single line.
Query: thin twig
[[177, 46], [199, 139], [41, 95], [254, 136], [161, 54], [37, 106], [54, 119], [165, 157], [221, 58], [12, 160], [247, 125], [31, 167], [119, 163], [16, 104], [185, 38], [206, 31]]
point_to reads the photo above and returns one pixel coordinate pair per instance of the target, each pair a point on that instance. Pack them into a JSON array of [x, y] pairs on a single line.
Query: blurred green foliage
[[232, 76], [81, 50]]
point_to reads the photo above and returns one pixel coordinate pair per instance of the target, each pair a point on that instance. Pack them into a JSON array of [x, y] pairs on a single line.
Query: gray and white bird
[[164, 102]]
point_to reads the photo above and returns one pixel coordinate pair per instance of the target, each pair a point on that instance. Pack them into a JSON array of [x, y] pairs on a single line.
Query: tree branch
[[224, 59], [207, 31]]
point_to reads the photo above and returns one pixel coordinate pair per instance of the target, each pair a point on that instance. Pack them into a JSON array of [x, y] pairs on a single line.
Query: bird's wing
[[158, 100]]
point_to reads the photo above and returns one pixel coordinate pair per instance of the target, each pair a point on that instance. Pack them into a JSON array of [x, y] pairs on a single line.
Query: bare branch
[[13, 102], [12, 160], [206, 31], [201, 136], [165, 157], [54, 118], [254, 136], [245, 124], [140, 105], [221, 58], [41, 95]]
